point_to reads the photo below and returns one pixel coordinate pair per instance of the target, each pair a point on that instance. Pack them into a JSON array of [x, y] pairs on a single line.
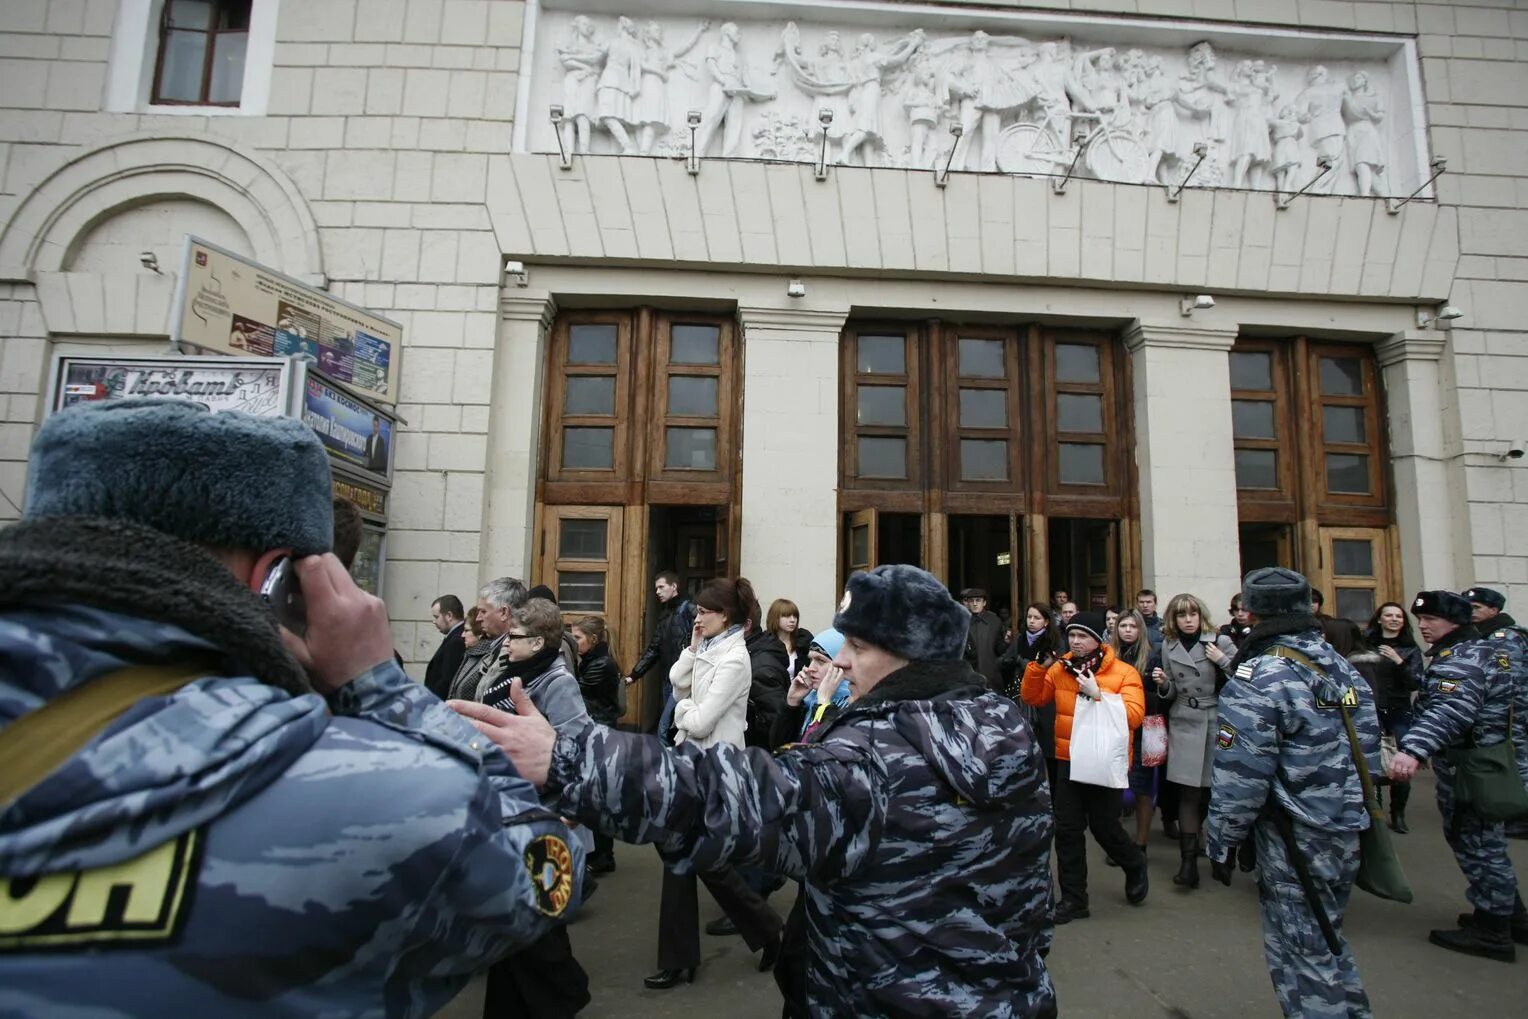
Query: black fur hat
[[906, 611], [1444, 605], [227, 480], [1275, 591], [1488, 597]]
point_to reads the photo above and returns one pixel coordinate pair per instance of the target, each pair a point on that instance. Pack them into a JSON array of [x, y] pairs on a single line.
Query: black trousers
[[1083, 808], [790, 968], [679, 915], [542, 979]]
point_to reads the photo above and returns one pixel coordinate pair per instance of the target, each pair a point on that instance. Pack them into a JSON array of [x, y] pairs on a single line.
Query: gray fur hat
[[1275, 591], [225, 480], [905, 611]]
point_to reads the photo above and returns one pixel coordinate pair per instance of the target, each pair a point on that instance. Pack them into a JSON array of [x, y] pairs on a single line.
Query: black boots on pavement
[[1485, 934], [1399, 794], [1188, 869]]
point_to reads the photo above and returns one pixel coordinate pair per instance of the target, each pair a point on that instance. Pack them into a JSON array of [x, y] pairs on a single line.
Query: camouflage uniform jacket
[[919, 822], [282, 856], [1281, 737], [1471, 682]]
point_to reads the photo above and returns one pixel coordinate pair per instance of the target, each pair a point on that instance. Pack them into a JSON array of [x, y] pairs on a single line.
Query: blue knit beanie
[[225, 480], [830, 642], [906, 611]]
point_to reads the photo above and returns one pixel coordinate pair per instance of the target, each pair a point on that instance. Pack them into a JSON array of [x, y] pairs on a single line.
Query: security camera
[[516, 274], [1201, 150], [795, 288], [1325, 162], [1438, 164], [1448, 313], [692, 118], [1200, 302], [957, 130], [825, 116], [556, 114], [1514, 453], [149, 261]]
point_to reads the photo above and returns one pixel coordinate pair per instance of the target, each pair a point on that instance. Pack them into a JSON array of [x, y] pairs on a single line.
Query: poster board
[[253, 385], [225, 302], [358, 433]]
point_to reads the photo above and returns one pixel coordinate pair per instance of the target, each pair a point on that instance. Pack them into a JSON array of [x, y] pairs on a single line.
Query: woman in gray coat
[[1195, 664]]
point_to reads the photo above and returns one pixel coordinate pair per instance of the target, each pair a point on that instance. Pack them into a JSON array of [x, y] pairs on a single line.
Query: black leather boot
[[1398, 797], [1486, 935], [1188, 870], [666, 978]]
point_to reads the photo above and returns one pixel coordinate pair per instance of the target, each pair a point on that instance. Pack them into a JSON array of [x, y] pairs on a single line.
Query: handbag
[[1379, 867], [1100, 745], [1153, 741], [1387, 751], [1487, 781]]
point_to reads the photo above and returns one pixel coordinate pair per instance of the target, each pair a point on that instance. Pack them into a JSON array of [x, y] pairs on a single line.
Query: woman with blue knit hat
[[899, 924]]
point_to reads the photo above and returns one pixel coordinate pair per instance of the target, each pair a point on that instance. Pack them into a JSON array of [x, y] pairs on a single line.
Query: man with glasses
[[496, 601]]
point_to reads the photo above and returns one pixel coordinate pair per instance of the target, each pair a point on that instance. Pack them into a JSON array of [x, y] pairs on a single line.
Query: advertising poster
[[227, 303], [250, 385], [354, 432]]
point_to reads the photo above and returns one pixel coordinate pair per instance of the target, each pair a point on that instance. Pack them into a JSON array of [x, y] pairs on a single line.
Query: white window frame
[[135, 49]]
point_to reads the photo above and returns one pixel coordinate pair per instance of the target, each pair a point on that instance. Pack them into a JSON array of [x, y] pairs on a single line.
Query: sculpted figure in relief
[[1320, 109], [657, 63], [1202, 93], [984, 89], [1251, 96], [1285, 131], [922, 102], [619, 83], [868, 70], [1363, 111], [1168, 143], [581, 58], [730, 91]]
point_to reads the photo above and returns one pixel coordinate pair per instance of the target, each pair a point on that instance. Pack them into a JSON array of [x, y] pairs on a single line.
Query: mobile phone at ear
[[283, 594]]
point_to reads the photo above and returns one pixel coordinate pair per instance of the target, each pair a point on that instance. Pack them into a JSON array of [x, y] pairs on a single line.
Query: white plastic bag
[[1100, 743]]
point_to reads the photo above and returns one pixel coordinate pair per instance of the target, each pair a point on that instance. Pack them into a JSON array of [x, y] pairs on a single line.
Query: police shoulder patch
[[550, 864], [1244, 670], [1349, 699], [1226, 737], [1498, 635], [1447, 685], [132, 904]]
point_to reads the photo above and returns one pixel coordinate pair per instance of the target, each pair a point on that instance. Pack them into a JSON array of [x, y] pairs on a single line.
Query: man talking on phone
[[202, 812]]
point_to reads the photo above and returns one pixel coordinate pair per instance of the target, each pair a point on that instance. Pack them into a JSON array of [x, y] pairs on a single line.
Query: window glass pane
[[581, 539], [227, 68], [690, 449], [1347, 472], [882, 405], [234, 14], [1355, 603], [588, 449], [1082, 464], [694, 344], [882, 355], [1257, 468], [1352, 557], [859, 545], [1342, 376], [180, 79], [1252, 369], [191, 14], [1079, 413], [982, 359], [586, 395], [1343, 424], [984, 408], [1252, 419], [983, 460], [580, 591], [692, 396], [1076, 363], [882, 457], [591, 344]]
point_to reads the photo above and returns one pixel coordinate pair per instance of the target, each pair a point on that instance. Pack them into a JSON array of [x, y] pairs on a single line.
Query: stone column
[[1430, 492], [790, 456], [1186, 461], [514, 435]]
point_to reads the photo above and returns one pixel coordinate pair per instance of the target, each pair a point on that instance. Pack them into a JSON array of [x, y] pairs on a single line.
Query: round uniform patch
[[551, 868]]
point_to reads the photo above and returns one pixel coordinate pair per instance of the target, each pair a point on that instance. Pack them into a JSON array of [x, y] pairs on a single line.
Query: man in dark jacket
[[671, 635], [922, 746], [450, 620], [986, 637]]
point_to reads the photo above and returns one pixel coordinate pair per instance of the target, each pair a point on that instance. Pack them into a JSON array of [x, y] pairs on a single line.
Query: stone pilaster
[[790, 456], [1185, 459]]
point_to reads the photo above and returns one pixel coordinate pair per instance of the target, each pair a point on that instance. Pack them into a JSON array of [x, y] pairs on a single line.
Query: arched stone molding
[[96, 182]]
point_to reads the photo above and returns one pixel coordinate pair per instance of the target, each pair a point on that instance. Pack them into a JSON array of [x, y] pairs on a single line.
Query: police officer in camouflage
[[1284, 773], [202, 813], [918, 819], [1488, 611], [1467, 698]]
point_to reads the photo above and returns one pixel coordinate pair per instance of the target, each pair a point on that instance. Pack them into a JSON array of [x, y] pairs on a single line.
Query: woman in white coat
[[711, 682], [1194, 666]]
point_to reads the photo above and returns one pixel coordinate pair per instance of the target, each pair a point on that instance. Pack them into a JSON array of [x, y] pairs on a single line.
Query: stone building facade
[[608, 368]]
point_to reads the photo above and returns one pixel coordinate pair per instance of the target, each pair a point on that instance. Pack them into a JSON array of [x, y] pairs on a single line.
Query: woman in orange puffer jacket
[[1089, 670]]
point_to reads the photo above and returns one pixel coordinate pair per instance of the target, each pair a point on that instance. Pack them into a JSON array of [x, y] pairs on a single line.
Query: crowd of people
[[257, 769]]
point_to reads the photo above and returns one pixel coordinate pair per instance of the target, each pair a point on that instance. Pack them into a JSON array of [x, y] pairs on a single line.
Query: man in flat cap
[[1467, 699], [1284, 772], [986, 644], [202, 812]]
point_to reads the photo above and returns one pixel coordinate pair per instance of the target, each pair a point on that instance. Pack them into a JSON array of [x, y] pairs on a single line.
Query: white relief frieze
[[1032, 103]]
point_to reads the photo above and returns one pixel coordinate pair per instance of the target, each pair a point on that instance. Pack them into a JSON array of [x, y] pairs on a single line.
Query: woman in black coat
[[1037, 641], [1397, 677], [599, 680]]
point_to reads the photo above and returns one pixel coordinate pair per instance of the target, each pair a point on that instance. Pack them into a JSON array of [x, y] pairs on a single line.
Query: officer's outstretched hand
[[525, 736], [1220, 870]]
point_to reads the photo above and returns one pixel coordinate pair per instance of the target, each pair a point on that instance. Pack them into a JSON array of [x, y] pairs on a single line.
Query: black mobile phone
[[282, 593]]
